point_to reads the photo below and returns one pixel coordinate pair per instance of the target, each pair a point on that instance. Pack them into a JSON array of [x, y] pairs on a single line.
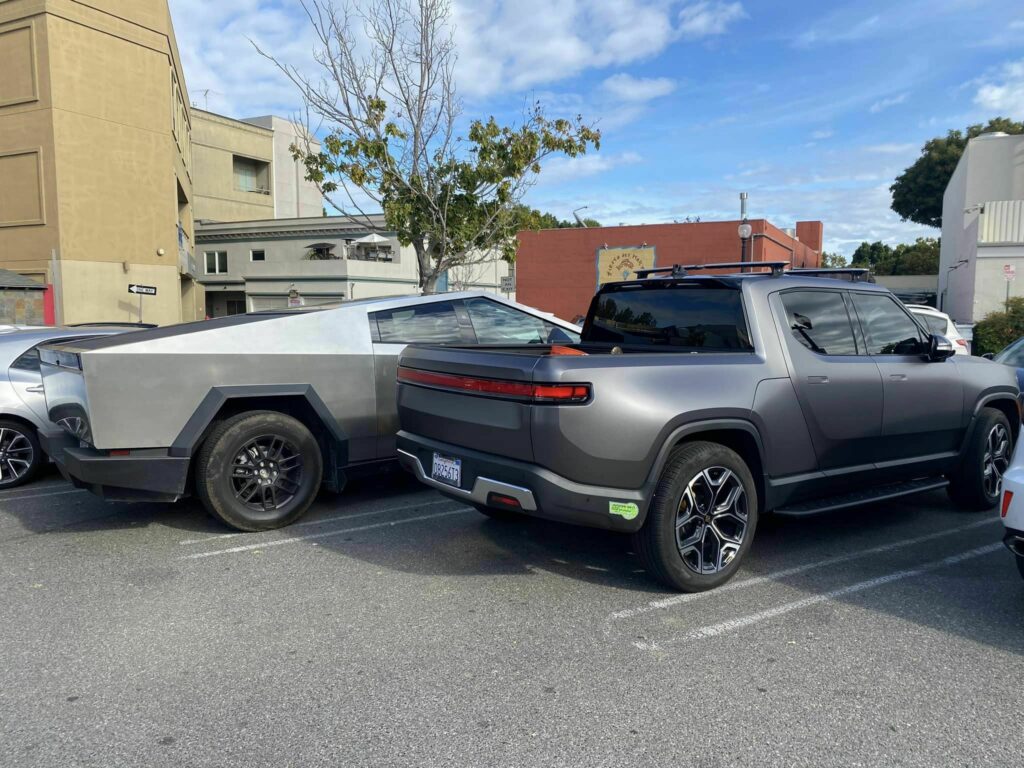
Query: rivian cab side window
[[434, 323], [819, 321], [888, 329]]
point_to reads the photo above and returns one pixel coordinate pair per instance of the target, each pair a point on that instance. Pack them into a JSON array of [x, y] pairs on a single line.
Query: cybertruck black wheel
[[702, 519], [977, 483], [259, 470], [20, 454]]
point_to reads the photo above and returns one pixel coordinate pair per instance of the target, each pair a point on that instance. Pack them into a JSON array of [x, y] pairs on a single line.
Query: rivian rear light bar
[[512, 390]]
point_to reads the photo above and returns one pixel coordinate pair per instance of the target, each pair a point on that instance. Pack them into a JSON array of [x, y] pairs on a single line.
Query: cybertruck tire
[[977, 483], [259, 470], [702, 520]]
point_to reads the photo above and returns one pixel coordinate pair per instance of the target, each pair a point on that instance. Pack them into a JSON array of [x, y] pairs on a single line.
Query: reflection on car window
[[933, 323], [28, 361], [888, 328], [819, 321], [495, 323], [424, 323], [697, 318]]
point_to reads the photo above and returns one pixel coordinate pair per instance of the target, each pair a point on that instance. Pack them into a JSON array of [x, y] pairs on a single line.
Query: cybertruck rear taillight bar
[[523, 391]]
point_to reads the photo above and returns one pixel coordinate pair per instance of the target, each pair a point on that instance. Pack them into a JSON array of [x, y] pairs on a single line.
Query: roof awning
[[321, 246], [372, 239]]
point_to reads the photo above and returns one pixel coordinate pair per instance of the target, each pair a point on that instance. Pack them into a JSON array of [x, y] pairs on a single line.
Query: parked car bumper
[[538, 491], [148, 477]]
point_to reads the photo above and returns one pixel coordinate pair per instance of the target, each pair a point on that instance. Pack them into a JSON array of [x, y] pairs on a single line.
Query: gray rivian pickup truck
[[696, 402]]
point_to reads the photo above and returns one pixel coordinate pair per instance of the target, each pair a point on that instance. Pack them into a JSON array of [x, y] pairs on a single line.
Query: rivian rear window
[[698, 318]]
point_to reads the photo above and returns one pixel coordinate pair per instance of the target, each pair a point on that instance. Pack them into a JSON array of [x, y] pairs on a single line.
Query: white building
[[252, 265], [294, 196], [983, 228]]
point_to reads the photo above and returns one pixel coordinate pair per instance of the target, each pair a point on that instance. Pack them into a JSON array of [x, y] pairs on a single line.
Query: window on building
[[496, 323], [216, 262], [434, 323], [819, 321], [251, 175], [887, 326], [257, 255]]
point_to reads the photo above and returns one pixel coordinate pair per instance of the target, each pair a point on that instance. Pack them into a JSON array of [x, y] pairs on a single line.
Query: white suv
[[940, 323], [1012, 508]]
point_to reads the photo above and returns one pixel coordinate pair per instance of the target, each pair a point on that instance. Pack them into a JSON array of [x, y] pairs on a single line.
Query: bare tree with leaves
[[385, 95]]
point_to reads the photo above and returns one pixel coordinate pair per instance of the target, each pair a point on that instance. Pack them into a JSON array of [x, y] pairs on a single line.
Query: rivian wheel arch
[[737, 434]]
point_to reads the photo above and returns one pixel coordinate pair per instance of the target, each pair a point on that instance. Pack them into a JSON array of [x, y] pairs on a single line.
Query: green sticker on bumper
[[626, 510]]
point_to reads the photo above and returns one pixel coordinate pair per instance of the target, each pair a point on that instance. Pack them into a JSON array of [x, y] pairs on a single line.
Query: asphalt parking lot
[[395, 627]]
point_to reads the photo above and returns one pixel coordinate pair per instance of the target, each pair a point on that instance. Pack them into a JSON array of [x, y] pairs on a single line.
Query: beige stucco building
[[96, 179]]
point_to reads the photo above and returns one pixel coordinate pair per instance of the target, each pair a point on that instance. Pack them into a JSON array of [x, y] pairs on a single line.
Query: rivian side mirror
[[988, 356], [939, 348]]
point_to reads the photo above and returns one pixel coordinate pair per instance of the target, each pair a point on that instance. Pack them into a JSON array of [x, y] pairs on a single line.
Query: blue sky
[[810, 107]]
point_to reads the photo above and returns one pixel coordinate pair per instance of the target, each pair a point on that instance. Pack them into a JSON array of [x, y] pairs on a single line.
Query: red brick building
[[557, 269]]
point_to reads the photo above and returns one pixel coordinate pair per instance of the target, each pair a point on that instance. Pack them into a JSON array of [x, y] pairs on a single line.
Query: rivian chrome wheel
[[712, 520], [996, 459], [977, 480], [20, 454], [259, 470], [702, 518]]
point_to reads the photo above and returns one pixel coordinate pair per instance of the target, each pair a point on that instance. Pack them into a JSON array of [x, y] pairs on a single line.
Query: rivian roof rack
[[852, 273], [681, 270]]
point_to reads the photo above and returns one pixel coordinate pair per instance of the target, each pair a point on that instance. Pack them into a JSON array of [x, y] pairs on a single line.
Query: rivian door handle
[[38, 388], [897, 377], [817, 379]]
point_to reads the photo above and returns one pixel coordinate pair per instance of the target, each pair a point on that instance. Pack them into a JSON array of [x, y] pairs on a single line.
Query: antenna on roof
[[576, 216]]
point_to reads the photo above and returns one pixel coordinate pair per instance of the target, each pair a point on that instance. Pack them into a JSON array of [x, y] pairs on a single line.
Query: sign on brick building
[[617, 264]]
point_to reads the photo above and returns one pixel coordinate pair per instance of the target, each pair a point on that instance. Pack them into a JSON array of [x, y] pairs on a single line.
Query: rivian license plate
[[447, 470]]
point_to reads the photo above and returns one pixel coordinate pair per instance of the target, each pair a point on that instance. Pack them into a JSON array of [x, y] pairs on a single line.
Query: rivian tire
[[20, 454], [259, 470], [977, 483], [702, 519]]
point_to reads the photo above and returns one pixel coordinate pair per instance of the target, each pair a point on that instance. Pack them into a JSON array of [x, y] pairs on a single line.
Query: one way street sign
[[142, 290]]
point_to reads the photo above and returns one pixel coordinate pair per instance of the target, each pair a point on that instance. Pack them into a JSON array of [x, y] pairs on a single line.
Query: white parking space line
[[336, 518], [38, 487], [712, 630], [670, 602], [323, 534], [5, 499]]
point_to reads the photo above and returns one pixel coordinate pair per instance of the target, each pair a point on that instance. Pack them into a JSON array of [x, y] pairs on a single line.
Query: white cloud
[[1003, 92], [709, 18], [891, 101], [890, 149], [564, 169], [625, 87], [839, 29], [824, 133], [515, 45]]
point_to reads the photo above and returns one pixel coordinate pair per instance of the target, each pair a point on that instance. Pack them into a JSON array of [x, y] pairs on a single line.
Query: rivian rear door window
[[819, 321], [434, 323], [698, 318], [889, 329], [496, 323]]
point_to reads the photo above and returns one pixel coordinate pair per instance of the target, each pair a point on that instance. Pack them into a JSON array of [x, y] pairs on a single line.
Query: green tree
[[395, 137], [917, 192], [999, 328], [832, 260], [918, 258], [531, 218]]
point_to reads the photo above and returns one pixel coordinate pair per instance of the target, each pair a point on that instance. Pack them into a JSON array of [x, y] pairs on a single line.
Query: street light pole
[[743, 230]]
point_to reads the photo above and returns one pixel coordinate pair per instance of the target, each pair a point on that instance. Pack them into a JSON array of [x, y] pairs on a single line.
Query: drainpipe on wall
[[58, 294]]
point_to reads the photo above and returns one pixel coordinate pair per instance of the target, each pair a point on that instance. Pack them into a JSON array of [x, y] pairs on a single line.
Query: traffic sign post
[[141, 290], [1010, 274], [508, 283]]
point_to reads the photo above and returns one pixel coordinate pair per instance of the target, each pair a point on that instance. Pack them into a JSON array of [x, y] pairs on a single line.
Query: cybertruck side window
[[434, 323], [819, 321], [496, 323]]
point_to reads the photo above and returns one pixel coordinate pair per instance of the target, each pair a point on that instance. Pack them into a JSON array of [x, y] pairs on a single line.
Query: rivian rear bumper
[[148, 477], [538, 491]]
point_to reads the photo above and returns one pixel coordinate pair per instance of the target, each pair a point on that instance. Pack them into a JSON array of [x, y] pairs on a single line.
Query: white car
[[940, 323], [1012, 507]]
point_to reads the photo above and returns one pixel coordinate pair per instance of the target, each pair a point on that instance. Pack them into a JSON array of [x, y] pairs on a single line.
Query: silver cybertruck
[[255, 412]]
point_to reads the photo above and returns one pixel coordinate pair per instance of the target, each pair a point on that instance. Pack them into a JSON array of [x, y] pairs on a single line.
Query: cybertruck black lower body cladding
[[494, 481], [138, 476]]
